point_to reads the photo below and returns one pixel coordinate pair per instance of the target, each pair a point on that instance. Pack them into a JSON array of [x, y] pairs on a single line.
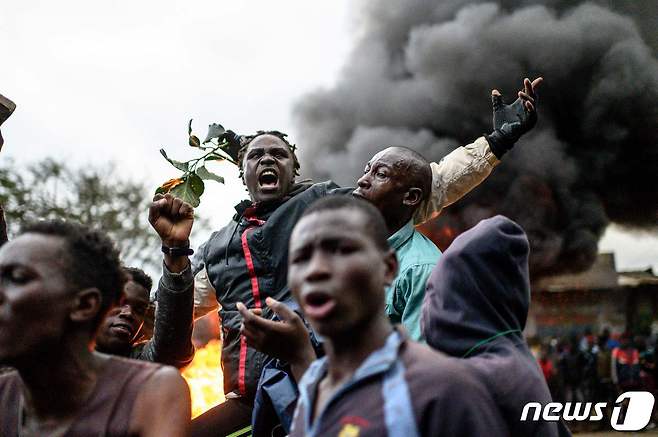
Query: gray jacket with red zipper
[[247, 261]]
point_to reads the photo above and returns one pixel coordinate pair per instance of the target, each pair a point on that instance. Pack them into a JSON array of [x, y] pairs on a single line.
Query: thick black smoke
[[421, 75]]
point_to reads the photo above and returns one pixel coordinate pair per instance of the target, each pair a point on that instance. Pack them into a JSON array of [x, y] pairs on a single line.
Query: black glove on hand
[[510, 122]]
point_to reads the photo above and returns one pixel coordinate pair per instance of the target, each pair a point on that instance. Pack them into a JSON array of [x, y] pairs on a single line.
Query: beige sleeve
[[455, 175], [205, 297]]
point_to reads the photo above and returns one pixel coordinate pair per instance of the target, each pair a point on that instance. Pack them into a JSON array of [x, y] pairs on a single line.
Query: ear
[[391, 261], [86, 305], [413, 196]]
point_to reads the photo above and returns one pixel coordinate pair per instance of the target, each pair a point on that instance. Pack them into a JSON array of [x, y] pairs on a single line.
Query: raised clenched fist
[[172, 219]]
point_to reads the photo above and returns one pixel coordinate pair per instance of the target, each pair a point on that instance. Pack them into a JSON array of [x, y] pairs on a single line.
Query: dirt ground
[[653, 432]]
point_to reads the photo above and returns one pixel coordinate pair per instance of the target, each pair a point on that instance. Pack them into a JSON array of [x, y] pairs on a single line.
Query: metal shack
[[595, 299]]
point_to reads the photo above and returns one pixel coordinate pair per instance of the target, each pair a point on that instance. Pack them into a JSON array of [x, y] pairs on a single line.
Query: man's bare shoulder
[[167, 375], [162, 407]]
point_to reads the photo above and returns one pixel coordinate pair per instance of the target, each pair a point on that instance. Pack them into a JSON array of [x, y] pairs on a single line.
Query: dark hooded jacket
[[476, 306], [247, 261]]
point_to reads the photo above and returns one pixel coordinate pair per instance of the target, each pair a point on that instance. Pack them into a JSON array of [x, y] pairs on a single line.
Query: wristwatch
[[177, 251]]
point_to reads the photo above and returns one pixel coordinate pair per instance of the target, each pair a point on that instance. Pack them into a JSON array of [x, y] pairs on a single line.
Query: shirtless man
[[57, 282]]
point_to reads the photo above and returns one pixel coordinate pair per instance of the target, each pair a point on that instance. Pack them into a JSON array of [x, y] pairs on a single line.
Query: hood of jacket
[[479, 290]]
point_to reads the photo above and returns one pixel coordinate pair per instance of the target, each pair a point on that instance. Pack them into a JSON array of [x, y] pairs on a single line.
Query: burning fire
[[204, 377]]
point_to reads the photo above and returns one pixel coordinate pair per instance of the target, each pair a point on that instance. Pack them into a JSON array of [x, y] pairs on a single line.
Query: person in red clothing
[[625, 365], [546, 364]]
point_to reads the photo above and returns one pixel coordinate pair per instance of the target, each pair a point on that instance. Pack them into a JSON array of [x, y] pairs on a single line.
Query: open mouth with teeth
[[318, 305], [268, 180]]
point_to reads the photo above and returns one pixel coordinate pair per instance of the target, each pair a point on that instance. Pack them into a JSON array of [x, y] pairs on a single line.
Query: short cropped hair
[[139, 276], [418, 170], [245, 140], [373, 224], [92, 260]]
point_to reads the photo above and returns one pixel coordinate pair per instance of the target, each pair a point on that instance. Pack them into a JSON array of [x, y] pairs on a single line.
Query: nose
[[126, 312], [364, 181], [319, 268], [267, 159]]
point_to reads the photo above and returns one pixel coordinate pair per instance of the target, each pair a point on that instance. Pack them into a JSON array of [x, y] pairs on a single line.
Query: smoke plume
[[421, 75]]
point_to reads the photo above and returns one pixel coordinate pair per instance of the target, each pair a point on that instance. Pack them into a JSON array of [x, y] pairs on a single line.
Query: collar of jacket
[[401, 235], [259, 209], [377, 362]]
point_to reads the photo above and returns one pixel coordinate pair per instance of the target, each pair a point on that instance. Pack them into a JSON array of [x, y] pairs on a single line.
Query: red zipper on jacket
[[255, 291]]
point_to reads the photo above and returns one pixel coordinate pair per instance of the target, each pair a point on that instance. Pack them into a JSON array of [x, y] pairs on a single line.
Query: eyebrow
[[261, 148], [332, 239], [383, 164], [12, 264]]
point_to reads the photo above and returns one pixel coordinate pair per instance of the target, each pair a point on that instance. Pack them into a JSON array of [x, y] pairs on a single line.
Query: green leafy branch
[[190, 186]]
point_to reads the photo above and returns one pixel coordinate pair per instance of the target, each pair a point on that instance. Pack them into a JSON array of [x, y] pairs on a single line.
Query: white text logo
[[636, 417]]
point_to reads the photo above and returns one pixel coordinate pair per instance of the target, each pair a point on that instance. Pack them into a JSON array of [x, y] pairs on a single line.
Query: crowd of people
[[338, 317], [597, 368]]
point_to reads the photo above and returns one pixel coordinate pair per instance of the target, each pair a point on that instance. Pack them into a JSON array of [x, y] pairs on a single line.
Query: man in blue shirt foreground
[[373, 381]]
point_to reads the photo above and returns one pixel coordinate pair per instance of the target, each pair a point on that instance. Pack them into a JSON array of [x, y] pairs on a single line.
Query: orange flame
[[205, 379]]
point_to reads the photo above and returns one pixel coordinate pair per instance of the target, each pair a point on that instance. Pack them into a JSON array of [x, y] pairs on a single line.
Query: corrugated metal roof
[[601, 276]]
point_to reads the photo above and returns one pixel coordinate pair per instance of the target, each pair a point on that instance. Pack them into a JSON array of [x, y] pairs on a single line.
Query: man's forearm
[[176, 264], [172, 335], [455, 175]]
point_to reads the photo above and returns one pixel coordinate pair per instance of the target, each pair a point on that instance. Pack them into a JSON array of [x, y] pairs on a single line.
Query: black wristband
[[177, 251]]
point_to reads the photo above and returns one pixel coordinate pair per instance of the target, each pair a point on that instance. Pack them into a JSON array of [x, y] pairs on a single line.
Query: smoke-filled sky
[[115, 81], [420, 76]]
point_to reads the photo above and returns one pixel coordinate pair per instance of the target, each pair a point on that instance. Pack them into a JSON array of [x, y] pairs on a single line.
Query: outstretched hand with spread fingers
[[286, 339], [512, 121]]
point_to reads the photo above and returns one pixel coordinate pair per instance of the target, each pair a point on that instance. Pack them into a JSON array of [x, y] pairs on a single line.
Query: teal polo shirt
[[417, 256]]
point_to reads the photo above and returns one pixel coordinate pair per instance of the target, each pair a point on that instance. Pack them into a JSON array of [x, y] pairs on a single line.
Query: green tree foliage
[[95, 196]]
